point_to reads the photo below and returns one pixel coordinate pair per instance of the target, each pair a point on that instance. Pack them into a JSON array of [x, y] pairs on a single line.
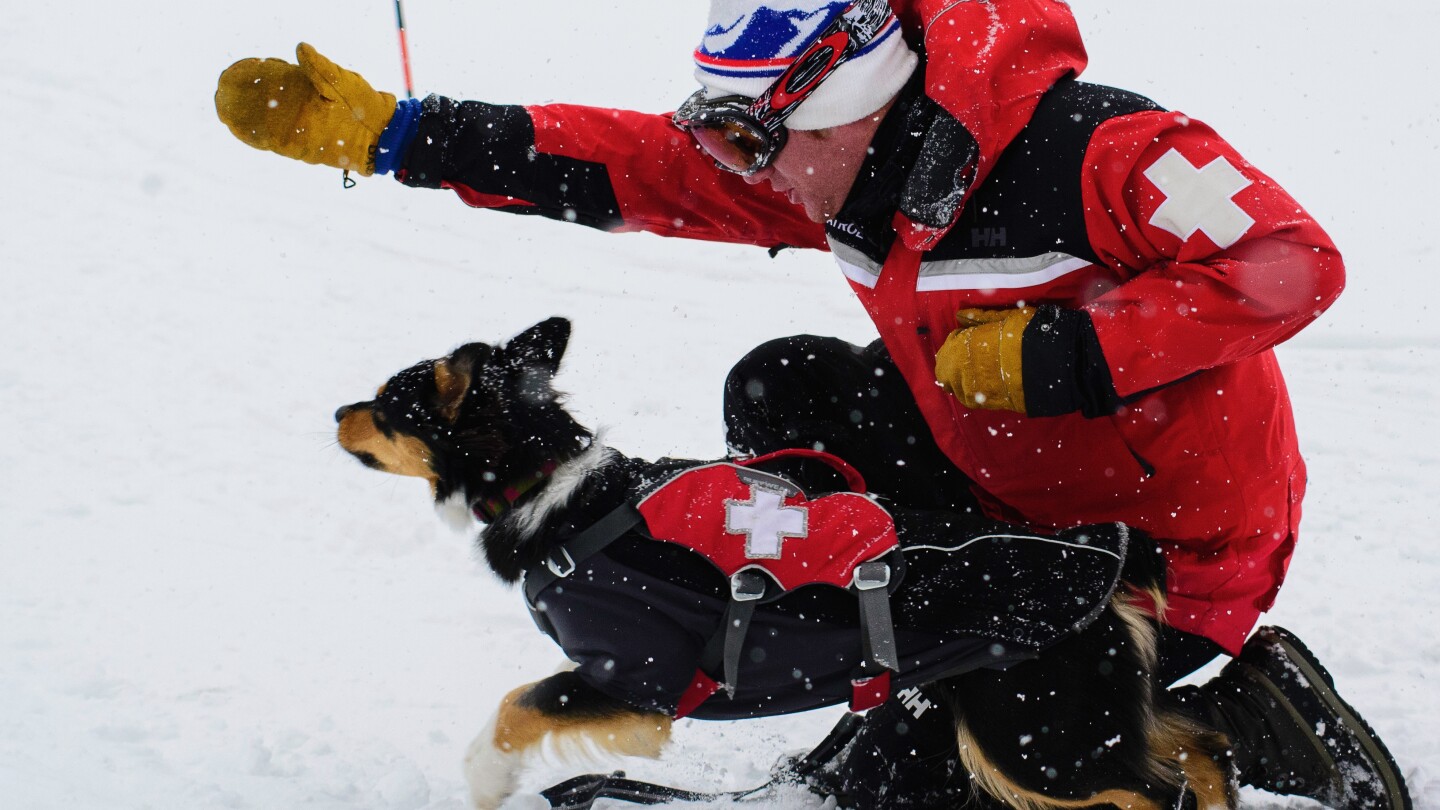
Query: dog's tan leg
[[1198, 753], [998, 785], [569, 712], [490, 772], [1212, 786]]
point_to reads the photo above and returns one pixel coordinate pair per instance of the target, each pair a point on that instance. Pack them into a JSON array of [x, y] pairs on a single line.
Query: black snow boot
[[1290, 732]]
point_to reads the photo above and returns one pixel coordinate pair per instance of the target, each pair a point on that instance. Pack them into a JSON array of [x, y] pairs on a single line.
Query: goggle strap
[[860, 23]]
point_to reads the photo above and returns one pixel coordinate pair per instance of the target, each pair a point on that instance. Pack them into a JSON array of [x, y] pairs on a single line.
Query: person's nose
[[760, 176]]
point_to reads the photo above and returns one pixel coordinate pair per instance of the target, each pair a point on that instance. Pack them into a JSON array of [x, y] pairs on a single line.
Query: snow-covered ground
[[204, 603]]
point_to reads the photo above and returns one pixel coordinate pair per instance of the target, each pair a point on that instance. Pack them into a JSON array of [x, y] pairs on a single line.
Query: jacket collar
[[922, 166], [893, 151]]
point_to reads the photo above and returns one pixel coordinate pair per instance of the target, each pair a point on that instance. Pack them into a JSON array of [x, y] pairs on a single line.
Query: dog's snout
[[342, 410]]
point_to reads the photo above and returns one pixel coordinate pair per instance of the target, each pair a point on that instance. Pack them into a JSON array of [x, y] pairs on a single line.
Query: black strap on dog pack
[[722, 653], [877, 630], [871, 583], [563, 559]]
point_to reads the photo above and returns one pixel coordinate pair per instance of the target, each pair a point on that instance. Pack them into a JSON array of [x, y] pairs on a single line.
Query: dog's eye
[[382, 425]]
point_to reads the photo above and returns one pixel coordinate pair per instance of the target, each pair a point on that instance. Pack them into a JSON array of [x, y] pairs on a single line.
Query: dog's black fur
[[1078, 726]]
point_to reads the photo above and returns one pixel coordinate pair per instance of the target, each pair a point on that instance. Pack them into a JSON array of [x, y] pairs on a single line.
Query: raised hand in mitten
[[315, 111]]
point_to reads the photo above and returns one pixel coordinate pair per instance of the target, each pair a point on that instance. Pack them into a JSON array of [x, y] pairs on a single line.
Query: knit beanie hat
[[749, 43]]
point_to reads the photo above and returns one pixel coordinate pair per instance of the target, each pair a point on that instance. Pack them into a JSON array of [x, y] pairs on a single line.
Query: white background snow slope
[[204, 603]]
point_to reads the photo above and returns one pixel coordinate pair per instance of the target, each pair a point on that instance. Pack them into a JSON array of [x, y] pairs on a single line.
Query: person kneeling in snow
[[1077, 294]]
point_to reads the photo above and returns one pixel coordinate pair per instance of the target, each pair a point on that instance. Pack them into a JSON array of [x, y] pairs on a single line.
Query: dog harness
[[769, 539]]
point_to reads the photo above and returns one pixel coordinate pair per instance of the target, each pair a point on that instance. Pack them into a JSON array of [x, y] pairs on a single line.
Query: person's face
[[816, 168]]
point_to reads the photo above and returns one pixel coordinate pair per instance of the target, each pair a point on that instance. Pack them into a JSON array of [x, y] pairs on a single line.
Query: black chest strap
[[562, 560]]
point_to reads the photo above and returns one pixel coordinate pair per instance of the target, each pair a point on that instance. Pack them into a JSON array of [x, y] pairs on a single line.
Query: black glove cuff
[[452, 135], [487, 153], [1064, 368]]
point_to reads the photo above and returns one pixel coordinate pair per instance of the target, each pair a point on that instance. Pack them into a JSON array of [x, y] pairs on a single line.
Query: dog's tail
[[1144, 569]]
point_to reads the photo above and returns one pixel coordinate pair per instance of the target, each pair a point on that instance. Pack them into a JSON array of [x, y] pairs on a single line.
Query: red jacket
[[1188, 263]]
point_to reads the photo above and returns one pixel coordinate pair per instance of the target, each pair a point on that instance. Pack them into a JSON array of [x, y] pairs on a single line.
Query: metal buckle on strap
[[560, 568], [871, 575], [747, 586]]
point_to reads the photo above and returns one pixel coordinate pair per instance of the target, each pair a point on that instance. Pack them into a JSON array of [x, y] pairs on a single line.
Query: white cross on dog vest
[[765, 521]]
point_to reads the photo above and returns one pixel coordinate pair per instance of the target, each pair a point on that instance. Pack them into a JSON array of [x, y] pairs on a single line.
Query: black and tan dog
[[1032, 640]]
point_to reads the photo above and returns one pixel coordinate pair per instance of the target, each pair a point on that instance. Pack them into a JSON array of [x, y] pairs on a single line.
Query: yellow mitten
[[980, 361], [315, 111]]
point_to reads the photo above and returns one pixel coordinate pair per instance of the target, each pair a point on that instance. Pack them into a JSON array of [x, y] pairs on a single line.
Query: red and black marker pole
[[345, 180], [404, 50]]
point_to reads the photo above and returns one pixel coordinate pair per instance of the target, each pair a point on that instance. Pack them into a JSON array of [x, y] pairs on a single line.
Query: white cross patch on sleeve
[[1199, 199], [765, 521]]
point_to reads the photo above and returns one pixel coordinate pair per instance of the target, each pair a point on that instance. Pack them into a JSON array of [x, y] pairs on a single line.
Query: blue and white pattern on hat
[[764, 34], [749, 43]]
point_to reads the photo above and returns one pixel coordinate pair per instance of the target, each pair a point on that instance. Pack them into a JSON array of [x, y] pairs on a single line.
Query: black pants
[[826, 394]]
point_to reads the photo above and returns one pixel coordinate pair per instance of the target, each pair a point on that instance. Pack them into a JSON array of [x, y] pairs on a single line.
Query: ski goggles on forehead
[[744, 135]]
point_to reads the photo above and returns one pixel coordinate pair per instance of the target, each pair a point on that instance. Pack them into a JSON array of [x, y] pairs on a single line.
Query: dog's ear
[[541, 346], [454, 374]]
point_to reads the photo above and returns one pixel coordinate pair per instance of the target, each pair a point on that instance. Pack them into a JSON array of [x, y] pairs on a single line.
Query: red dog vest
[[763, 533]]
